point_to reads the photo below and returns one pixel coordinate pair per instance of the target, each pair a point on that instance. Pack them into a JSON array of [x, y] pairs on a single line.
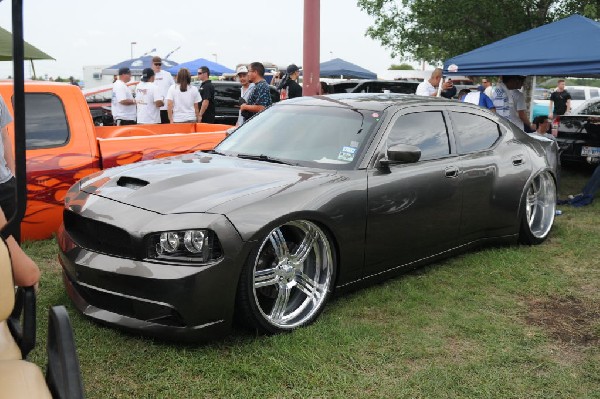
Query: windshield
[[317, 136]]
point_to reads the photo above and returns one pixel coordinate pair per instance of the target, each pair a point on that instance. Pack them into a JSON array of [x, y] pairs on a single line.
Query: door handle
[[518, 160], [451, 172]]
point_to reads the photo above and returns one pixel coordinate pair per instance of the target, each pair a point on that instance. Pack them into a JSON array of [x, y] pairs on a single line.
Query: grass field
[[508, 322]]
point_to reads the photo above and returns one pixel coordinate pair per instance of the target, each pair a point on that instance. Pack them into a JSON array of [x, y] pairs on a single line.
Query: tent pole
[[531, 104], [33, 69]]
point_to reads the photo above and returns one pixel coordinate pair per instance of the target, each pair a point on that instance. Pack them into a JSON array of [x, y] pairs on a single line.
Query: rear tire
[[538, 210], [286, 282]]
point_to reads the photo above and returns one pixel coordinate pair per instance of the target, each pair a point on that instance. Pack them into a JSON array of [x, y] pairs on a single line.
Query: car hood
[[196, 182]]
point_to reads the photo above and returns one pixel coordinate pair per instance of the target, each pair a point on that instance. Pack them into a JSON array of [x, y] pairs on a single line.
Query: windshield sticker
[[375, 115], [347, 154], [354, 144]]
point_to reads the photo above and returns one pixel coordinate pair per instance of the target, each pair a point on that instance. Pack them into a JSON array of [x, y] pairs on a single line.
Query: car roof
[[368, 101]]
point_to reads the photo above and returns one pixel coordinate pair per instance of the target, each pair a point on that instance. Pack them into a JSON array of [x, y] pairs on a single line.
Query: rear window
[[45, 121]]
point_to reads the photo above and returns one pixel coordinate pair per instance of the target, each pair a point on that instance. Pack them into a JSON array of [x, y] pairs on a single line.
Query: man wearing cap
[[123, 103], [291, 87], [260, 98], [247, 87], [148, 104], [162, 81], [207, 92]]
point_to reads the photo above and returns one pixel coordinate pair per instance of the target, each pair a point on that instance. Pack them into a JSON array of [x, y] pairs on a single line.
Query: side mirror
[[400, 153]]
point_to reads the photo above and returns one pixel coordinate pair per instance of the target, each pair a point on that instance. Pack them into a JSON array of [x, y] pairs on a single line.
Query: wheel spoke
[[305, 246], [280, 306], [307, 285], [279, 245], [265, 277]]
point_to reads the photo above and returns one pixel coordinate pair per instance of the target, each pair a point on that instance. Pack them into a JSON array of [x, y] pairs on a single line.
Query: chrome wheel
[[540, 208], [292, 275]]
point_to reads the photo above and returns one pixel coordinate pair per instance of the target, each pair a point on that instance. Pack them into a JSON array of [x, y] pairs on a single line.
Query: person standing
[[487, 87], [430, 87], [246, 89], [207, 93], [289, 88], [510, 102], [162, 80], [8, 201], [260, 98], [123, 103], [560, 101], [183, 99], [148, 104]]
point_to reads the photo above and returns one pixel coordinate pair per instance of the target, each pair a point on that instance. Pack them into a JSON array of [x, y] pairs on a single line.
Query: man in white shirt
[[148, 105], [162, 80], [247, 86], [122, 103], [430, 87], [510, 102]]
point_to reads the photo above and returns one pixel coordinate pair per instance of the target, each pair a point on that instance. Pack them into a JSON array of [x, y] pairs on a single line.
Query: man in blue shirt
[[261, 95]]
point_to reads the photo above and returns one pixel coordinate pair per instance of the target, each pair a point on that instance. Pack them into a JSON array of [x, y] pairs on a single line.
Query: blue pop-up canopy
[[337, 67], [568, 47], [215, 69]]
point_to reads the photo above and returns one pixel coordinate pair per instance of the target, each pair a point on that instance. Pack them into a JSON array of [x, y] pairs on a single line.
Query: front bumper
[[179, 302]]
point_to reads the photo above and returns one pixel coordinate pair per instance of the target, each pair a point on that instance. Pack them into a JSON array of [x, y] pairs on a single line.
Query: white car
[[579, 94], [588, 107]]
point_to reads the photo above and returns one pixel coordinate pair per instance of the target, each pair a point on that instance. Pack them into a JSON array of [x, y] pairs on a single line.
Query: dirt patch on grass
[[567, 319]]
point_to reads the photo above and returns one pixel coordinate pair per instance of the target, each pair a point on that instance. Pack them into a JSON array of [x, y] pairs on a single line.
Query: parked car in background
[[588, 107], [579, 94], [579, 133], [314, 194], [227, 100], [385, 86], [541, 101], [374, 86]]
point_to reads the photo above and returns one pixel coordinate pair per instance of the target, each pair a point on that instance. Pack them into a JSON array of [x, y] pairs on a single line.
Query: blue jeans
[[592, 186]]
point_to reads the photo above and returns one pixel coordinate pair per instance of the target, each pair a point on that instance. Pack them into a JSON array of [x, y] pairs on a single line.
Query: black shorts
[[123, 122]]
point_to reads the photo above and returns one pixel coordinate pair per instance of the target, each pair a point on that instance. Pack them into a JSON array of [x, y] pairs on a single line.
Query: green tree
[[435, 30], [401, 67]]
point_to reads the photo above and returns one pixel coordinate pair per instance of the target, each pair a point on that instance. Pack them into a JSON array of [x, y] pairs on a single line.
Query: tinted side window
[[594, 93], [577, 94], [473, 132], [45, 123], [426, 130], [228, 91]]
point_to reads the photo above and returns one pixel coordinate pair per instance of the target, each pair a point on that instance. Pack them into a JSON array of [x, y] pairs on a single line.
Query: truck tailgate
[[116, 151]]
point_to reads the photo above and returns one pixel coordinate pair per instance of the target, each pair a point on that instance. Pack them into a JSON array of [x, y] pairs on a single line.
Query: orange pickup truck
[[63, 146]]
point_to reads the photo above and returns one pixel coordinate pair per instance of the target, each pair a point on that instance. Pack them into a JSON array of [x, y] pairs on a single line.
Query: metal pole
[[19, 112], [312, 40]]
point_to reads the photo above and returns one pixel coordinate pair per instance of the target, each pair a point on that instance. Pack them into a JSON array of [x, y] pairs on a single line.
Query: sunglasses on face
[[158, 63]]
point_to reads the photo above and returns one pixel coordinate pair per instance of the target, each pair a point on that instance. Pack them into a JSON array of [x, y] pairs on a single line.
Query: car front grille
[[98, 236]]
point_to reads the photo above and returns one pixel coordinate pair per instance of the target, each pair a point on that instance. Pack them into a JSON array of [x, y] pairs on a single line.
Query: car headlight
[[184, 245]]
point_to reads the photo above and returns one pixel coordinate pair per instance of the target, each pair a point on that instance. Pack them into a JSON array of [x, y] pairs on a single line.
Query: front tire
[[539, 207], [286, 282]]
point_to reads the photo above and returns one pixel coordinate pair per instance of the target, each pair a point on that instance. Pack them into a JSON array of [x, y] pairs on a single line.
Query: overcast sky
[[83, 32]]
